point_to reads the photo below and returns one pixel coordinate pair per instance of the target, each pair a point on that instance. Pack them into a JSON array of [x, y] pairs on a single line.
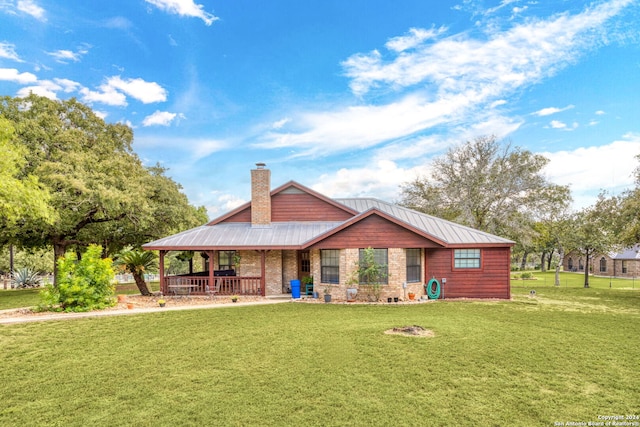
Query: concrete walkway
[[42, 317]]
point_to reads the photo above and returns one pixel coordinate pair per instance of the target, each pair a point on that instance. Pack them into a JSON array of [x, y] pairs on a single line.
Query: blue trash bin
[[295, 289]]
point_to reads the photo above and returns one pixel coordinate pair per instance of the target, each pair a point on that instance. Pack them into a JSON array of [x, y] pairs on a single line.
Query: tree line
[[495, 187], [68, 180]]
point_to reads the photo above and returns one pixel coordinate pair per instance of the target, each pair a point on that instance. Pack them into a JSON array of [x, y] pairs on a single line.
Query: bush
[[26, 278], [82, 285]]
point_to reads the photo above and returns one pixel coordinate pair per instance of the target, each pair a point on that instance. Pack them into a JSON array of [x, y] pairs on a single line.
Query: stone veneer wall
[[348, 263], [250, 266]]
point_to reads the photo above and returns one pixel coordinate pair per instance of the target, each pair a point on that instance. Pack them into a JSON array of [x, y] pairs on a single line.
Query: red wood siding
[[375, 232], [296, 207], [489, 281], [304, 207], [242, 216]]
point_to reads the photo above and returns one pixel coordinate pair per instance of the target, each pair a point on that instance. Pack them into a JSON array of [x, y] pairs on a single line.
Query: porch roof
[[241, 235]]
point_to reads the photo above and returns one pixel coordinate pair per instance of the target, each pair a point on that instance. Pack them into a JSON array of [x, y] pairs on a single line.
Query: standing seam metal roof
[[295, 234]]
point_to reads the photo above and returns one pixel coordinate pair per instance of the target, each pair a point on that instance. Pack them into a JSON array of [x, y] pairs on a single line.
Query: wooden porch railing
[[223, 285]]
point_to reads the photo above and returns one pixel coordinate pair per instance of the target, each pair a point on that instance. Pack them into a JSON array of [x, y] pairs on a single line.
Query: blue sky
[[351, 98]]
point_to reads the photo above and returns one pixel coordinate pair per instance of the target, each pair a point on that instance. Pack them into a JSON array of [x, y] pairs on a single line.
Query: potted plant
[[234, 298], [412, 296], [327, 292], [161, 302], [307, 282]]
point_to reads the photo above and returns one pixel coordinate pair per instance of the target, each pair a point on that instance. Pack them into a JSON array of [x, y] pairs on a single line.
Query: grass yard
[[567, 355], [575, 280]]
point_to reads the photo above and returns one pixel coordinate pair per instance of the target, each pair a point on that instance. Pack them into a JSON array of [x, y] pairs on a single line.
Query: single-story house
[[293, 232], [625, 263]]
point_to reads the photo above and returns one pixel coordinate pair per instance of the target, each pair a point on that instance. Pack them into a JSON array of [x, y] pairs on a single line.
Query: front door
[[304, 266]]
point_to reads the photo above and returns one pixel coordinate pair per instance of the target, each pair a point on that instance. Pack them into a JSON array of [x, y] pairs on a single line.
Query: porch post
[[263, 272], [162, 284], [211, 278]]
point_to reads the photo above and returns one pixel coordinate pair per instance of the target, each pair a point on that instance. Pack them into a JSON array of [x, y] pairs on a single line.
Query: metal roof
[[243, 235], [627, 253], [294, 234], [444, 230]]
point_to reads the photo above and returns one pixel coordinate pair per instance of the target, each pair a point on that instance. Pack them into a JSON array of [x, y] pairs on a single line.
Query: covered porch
[[212, 282]]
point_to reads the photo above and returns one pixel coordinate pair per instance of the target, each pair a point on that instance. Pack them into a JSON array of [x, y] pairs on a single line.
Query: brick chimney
[[260, 196]]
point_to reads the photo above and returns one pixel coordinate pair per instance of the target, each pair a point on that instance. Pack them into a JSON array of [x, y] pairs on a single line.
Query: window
[[413, 265], [466, 258], [603, 265], [570, 264], [330, 265], [226, 260], [380, 258], [624, 267]]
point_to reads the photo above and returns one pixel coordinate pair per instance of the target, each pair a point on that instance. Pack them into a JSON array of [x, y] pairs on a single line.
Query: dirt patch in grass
[[411, 331]]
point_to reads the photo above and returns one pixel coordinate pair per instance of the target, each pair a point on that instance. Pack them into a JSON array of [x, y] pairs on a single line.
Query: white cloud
[[40, 90], [557, 124], [551, 110], [12, 75], [600, 113], [184, 8], [382, 179], [102, 114], [146, 92], [505, 61], [67, 85], [160, 118], [106, 95], [280, 123], [415, 37], [449, 82], [587, 170], [30, 7], [64, 56], [8, 51]]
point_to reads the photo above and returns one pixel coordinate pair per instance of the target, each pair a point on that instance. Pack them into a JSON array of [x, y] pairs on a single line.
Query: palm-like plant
[[137, 262]]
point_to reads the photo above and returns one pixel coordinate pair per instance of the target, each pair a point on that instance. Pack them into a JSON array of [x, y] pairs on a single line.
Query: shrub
[[26, 278], [82, 285]]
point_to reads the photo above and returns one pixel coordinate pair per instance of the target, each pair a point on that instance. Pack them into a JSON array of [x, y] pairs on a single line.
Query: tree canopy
[[487, 185], [100, 192]]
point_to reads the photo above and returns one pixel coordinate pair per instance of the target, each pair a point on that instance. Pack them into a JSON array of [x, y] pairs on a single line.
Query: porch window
[[414, 265], [330, 266], [466, 258], [380, 257], [603, 265], [226, 260]]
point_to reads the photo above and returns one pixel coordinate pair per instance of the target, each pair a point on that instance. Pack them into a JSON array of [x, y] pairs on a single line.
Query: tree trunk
[[549, 258], [141, 284], [586, 270], [560, 262], [543, 265], [523, 264], [59, 249]]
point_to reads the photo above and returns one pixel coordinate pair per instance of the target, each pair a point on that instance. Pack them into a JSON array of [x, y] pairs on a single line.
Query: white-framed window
[[330, 265], [414, 265], [466, 258]]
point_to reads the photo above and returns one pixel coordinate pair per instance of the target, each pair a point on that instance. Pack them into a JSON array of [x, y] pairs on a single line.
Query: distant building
[[622, 264]]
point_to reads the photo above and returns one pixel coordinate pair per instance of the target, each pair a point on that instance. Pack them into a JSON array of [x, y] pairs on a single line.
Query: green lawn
[[18, 298], [576, 280], [565, 355]]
